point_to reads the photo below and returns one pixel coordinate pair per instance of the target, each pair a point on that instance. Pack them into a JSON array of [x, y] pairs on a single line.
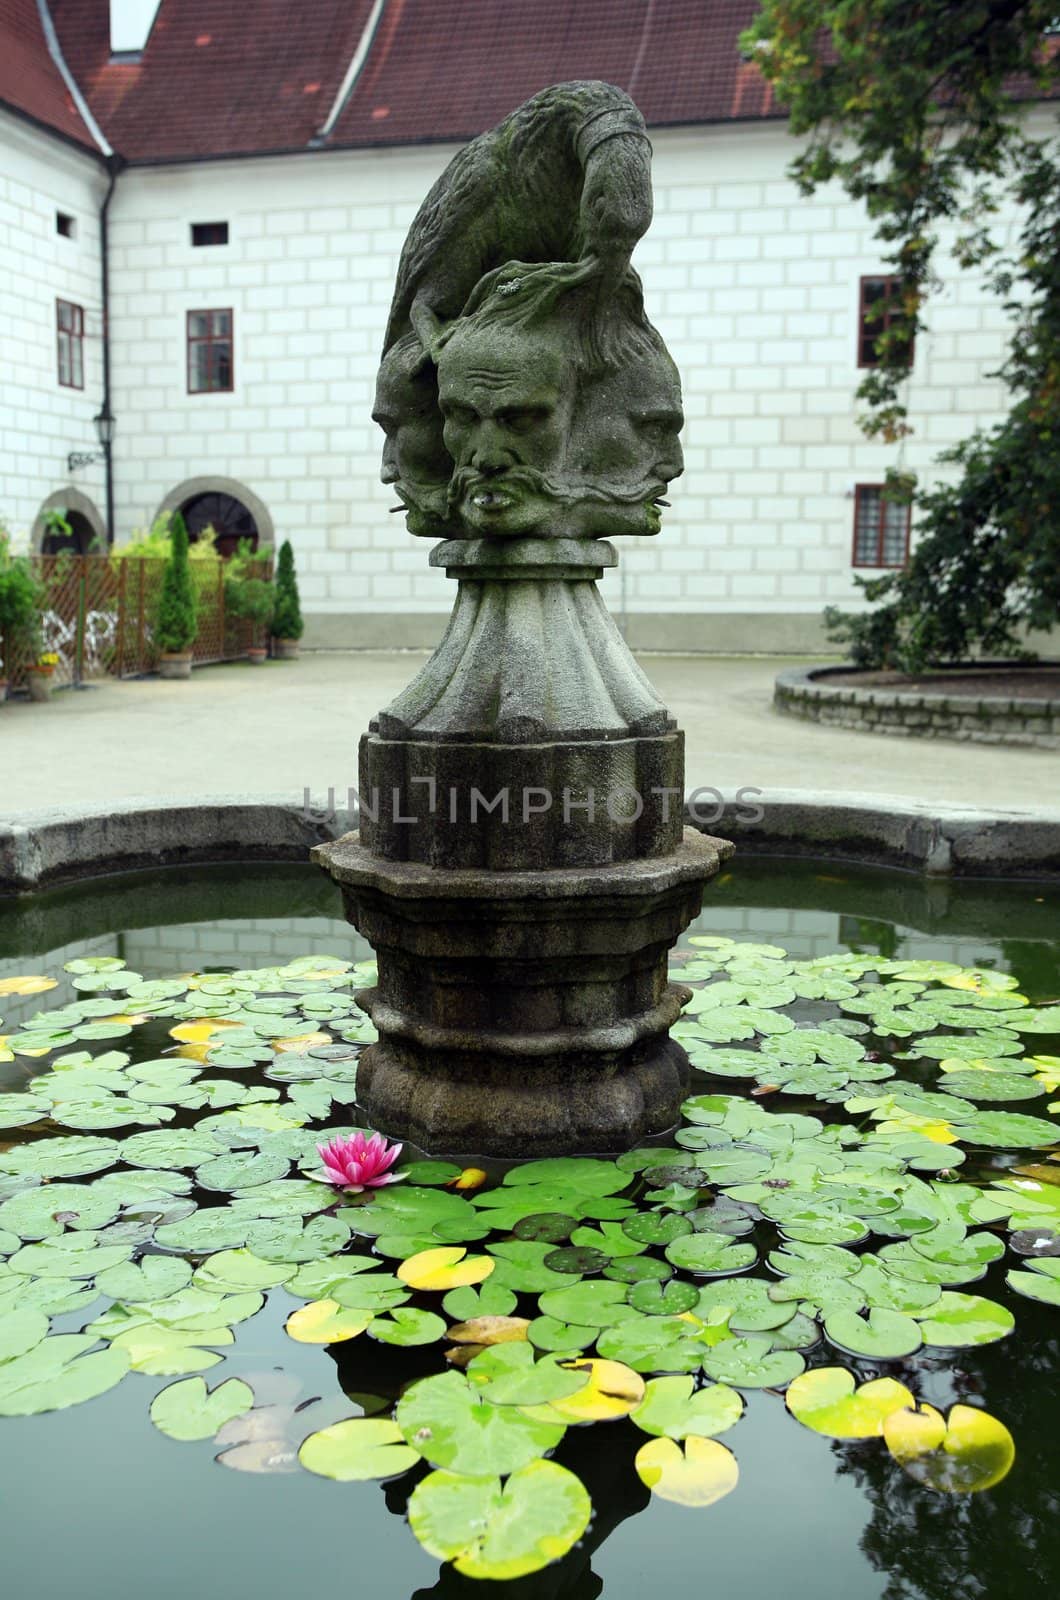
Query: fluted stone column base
[[526, 1012]]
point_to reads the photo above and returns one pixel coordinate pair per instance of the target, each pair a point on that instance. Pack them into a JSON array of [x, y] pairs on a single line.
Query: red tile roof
[[447, 69], [219, 78], [30, 82]]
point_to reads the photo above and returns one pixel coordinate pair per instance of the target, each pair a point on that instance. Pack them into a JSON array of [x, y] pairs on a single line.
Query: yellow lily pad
[[488, 1330], [693, 1474], [470, 1178], [34, 984], [299, 1043], [200, 1031], [447, 1267], [326, 1322], [961, 1454], [827, 1401], [613, 1390]]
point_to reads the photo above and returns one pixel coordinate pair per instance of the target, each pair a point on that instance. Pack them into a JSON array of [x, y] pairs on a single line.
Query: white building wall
[[40, 421], [754, 288]]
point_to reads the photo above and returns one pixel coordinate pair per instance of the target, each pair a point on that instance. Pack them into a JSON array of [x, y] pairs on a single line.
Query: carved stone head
[[415, 459]]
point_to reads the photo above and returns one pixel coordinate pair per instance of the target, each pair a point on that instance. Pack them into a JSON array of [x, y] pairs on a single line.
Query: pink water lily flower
[[357, 1163]]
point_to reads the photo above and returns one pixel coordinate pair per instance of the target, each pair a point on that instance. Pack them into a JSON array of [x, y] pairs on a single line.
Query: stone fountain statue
[[522, 869]]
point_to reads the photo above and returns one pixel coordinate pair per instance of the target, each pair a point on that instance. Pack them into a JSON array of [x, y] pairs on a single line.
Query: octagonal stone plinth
[[523, 1013]]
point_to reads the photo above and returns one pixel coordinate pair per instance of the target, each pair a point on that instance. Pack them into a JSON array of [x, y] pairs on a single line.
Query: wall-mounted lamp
[[104, 423]]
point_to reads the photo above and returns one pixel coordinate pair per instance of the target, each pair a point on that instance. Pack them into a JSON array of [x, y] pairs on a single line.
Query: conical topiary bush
[[287, 623], [177, 621]]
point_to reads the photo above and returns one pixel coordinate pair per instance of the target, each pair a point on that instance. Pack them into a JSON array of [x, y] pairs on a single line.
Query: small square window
[[210, 367], [66, 225], [875, 316], [204, 233], [881, 528], [70, 341]]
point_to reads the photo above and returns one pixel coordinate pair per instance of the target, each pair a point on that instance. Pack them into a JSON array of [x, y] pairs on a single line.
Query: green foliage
[[21, 595], [177, 620], [247, 595], [287, 620], [913, 109], [156, 543]]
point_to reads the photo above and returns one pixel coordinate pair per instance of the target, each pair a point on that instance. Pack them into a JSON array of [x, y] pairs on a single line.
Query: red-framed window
[[874, 317], [211, 369], [70, 342], [881, 528]]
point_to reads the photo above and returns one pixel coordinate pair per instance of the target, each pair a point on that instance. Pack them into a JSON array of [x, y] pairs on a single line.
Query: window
[[209, 352], [66, 225], [203, 233], [881, 528], [70, 336], [874, 318]]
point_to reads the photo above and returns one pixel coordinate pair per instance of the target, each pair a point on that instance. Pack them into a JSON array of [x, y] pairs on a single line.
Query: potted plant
[[21, 598], [249, 598], [287, 623], [39, 675], [177, 620]]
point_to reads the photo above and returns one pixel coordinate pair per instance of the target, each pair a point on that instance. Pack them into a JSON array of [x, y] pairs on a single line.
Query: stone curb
[[984, 719], [41, 849]]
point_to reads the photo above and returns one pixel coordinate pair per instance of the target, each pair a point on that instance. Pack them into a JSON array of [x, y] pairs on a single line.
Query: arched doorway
[[229, 518], [87, 536], [79, 541]]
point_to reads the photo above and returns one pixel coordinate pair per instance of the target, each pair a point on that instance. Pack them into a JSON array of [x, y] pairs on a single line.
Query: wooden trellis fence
[[99, 614]]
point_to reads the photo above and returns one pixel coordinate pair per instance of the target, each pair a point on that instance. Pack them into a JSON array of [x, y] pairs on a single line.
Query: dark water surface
[[95, 1503]]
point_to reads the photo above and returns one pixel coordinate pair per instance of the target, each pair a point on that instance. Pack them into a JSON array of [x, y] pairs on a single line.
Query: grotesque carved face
[[625, 447], [506, 394], [415, 459]]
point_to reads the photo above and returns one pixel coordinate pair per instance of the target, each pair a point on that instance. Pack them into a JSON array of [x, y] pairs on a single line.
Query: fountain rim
[[67, 844]]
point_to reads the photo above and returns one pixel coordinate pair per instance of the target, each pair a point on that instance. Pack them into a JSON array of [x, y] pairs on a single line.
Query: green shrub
[[177, 621], [247, 595], [287, 620], [21, 596]]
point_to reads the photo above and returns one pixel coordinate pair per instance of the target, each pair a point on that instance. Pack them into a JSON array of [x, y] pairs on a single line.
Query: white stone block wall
[[40, 421], [754, 288]]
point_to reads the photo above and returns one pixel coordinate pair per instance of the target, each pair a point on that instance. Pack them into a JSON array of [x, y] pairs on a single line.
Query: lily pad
[[752, 1363], [188, 1410], [675, 1408], [957, 1320], [827, 1401], [448, 1422], [489, 1531], [962, 1454], [695, 1474], [357, 1450], [881, 1334]]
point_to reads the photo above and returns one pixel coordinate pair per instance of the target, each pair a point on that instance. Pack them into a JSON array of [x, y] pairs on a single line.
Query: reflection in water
[[373, 1375], [996, 1545]]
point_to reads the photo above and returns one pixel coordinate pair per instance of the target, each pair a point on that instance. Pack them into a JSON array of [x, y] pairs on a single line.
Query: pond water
[[97, 1501]]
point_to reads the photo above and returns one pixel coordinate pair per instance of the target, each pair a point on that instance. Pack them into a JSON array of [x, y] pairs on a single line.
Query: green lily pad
[[638, 1269], [653, 1344], [656, 1227], [188, 1410], [407, 1325], [548, 1333], [154, 1278], [752, 1363], [512, 1375], [489, 1531], [550, 1227], [674, 1409], [521, 1265], [576, 1260], [357, 1450], [489, 1299], [1042, 1282], [656, 1299], [58, 1373], [70, 1157], [881, 1334], [448, 1422], [957, 1320], [598, 1304], [710, 1254], [20, 1331]]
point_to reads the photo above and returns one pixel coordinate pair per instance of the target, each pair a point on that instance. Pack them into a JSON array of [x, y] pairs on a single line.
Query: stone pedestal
[[522, 872]]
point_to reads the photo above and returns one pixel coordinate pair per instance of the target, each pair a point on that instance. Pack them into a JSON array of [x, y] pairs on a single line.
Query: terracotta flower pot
[[256, 654], [174, 664], [285, 649], [39, 683]]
